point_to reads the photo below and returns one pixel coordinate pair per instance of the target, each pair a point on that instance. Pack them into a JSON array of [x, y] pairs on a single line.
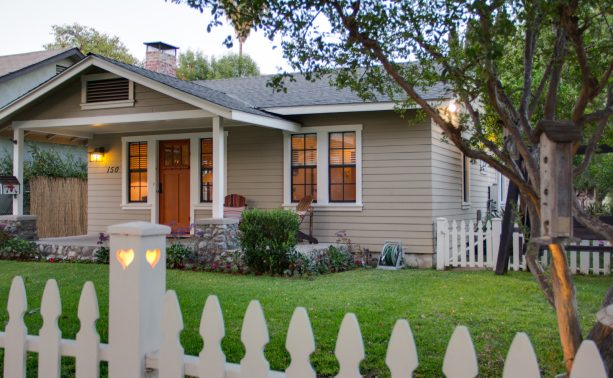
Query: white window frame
[[106, 104], [465, 162], [323, 203], [152, 203]]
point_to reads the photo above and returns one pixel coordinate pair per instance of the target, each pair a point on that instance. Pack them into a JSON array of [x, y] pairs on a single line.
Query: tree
[[561, 77], [196, 66], [89, 40]]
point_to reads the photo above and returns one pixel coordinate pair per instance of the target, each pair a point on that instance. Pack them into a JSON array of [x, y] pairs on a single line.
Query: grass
[[493, 307]]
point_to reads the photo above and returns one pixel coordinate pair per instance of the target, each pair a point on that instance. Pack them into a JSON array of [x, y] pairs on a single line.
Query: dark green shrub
[[18, 249], [177, 255], [267, 238], [4, 236], [101, 256]]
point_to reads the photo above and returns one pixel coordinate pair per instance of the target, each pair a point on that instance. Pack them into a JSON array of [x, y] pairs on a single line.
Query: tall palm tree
[[240, 21]]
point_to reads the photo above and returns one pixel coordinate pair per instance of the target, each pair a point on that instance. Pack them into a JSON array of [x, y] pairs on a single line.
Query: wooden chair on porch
[[233, 206], [304, 209]]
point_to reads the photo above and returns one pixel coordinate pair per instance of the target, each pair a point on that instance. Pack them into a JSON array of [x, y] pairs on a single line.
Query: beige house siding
[[68, 105], [447, 182], [396, 184]]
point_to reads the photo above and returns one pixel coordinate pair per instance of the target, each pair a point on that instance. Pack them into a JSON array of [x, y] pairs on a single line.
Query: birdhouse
[[9, 185], [556, 172]]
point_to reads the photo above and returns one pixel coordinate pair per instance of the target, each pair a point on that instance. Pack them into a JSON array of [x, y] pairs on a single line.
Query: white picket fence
[[139, 346], [466, 244]]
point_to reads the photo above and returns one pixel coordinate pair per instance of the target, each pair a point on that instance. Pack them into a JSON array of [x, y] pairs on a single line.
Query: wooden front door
[[174, 185]]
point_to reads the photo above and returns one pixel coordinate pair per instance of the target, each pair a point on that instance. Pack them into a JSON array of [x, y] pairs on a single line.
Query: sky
[[26, 25]]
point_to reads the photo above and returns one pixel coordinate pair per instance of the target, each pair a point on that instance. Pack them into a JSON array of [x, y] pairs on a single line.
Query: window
[[106, 90], [325, 162], [342, 158], [304, 166], [465, 180], [206, 170], [137, 172]]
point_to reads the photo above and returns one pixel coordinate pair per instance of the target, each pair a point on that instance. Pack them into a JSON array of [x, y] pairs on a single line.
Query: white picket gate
[[137, 269], [462, 244]]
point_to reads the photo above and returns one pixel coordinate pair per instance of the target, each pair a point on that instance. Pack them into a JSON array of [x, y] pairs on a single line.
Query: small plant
[[101, 255], [16, 248], [4, 236], [360, 255], [268, 238], [177, 255]]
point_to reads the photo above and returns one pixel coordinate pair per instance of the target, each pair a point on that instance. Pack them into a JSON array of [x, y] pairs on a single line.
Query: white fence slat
[[49, 337], [463, 243], [15, 331], [454, 243], [573, 262], [606, 266], [489, 246], [515, 263], [588, 362], [87, 358], [254, 336], [212, 359], [460, 357], [480, 256], [584, 259], [441, 230], [471, 244], [447, 247], [544, 258], [496, 231], [349, 350], [171, 351], [521, 360], [300, 344], [401, 355]]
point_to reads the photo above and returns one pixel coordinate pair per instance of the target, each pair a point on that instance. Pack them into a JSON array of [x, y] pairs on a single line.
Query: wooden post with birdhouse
[[556, 171]]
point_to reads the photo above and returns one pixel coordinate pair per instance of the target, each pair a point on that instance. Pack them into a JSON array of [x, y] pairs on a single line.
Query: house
[[167, 151], [20, 73]]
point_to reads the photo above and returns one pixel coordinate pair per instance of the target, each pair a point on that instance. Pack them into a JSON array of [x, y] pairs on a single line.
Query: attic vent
[[108, 90], [59, 69]]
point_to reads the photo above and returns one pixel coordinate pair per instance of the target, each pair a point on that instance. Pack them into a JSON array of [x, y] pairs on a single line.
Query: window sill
[[107, 105], [135, 206], [330, 206]]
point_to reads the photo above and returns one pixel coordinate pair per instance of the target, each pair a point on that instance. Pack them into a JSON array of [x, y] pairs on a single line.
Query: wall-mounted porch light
[[97, 155]]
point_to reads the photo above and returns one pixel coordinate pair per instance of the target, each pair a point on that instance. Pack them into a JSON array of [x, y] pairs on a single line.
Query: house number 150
[[112, 170]]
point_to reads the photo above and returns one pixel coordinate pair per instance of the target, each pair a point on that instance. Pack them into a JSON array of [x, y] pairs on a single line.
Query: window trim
[[465, 181], [323, 203], [342, 165], [106, 104]]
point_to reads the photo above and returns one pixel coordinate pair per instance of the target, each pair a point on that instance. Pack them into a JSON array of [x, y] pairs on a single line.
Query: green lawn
[[494, 308]]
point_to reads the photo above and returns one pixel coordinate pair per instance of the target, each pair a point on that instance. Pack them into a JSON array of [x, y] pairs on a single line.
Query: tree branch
[[593, 143]]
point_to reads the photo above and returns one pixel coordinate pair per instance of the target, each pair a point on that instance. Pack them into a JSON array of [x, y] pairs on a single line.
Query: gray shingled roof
[[299, 93], [13, 63], [209, 94]]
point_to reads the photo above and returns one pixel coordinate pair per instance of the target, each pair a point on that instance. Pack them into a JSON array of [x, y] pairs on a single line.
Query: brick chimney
[[161, 57]]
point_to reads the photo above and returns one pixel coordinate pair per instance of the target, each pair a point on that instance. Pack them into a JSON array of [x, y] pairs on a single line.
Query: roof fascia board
[[342, 108], [111, 119], [68, 53], [265, 121]]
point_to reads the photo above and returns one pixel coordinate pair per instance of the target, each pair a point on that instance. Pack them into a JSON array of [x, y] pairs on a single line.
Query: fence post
[[441, 228], [496, 231], [137, 283]]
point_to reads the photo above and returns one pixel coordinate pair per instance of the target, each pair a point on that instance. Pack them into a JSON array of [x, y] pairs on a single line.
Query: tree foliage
[[88, 40], [513, 66], [194, 65]]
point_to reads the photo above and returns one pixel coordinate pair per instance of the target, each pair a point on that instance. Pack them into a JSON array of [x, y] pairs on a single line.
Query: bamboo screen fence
[[60, 205]]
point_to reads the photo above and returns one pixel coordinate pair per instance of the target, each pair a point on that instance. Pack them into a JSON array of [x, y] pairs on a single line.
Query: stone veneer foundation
[[23, 226], [217, 234]]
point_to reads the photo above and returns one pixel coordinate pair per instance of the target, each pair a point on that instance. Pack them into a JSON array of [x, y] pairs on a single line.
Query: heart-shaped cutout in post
[[152, 256], [124, 257]]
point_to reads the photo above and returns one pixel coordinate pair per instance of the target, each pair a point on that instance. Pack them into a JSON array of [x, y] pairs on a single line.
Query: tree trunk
[[566, 305]]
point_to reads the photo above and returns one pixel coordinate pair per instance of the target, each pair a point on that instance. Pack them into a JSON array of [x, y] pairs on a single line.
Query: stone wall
[[67, 252], [23, 226]]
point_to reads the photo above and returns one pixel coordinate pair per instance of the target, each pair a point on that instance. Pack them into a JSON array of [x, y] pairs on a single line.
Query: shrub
[[267, 238], [4, 236], [177, 255], [101, 256], [18, 249]]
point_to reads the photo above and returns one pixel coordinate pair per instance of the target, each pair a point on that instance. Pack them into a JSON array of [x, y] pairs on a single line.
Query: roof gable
[[12, 66]]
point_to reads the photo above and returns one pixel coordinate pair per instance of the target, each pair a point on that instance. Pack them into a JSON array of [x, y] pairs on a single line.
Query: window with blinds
[[206, 170], [342, 165], [137, 172], [106, 90], [304, 166]]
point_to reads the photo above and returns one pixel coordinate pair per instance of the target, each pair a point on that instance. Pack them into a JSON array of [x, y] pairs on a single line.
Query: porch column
[[18, 160], [219, 167]]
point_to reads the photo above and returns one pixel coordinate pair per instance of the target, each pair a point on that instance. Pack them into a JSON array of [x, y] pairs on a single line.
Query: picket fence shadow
[[460, 359], [475, 245]]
